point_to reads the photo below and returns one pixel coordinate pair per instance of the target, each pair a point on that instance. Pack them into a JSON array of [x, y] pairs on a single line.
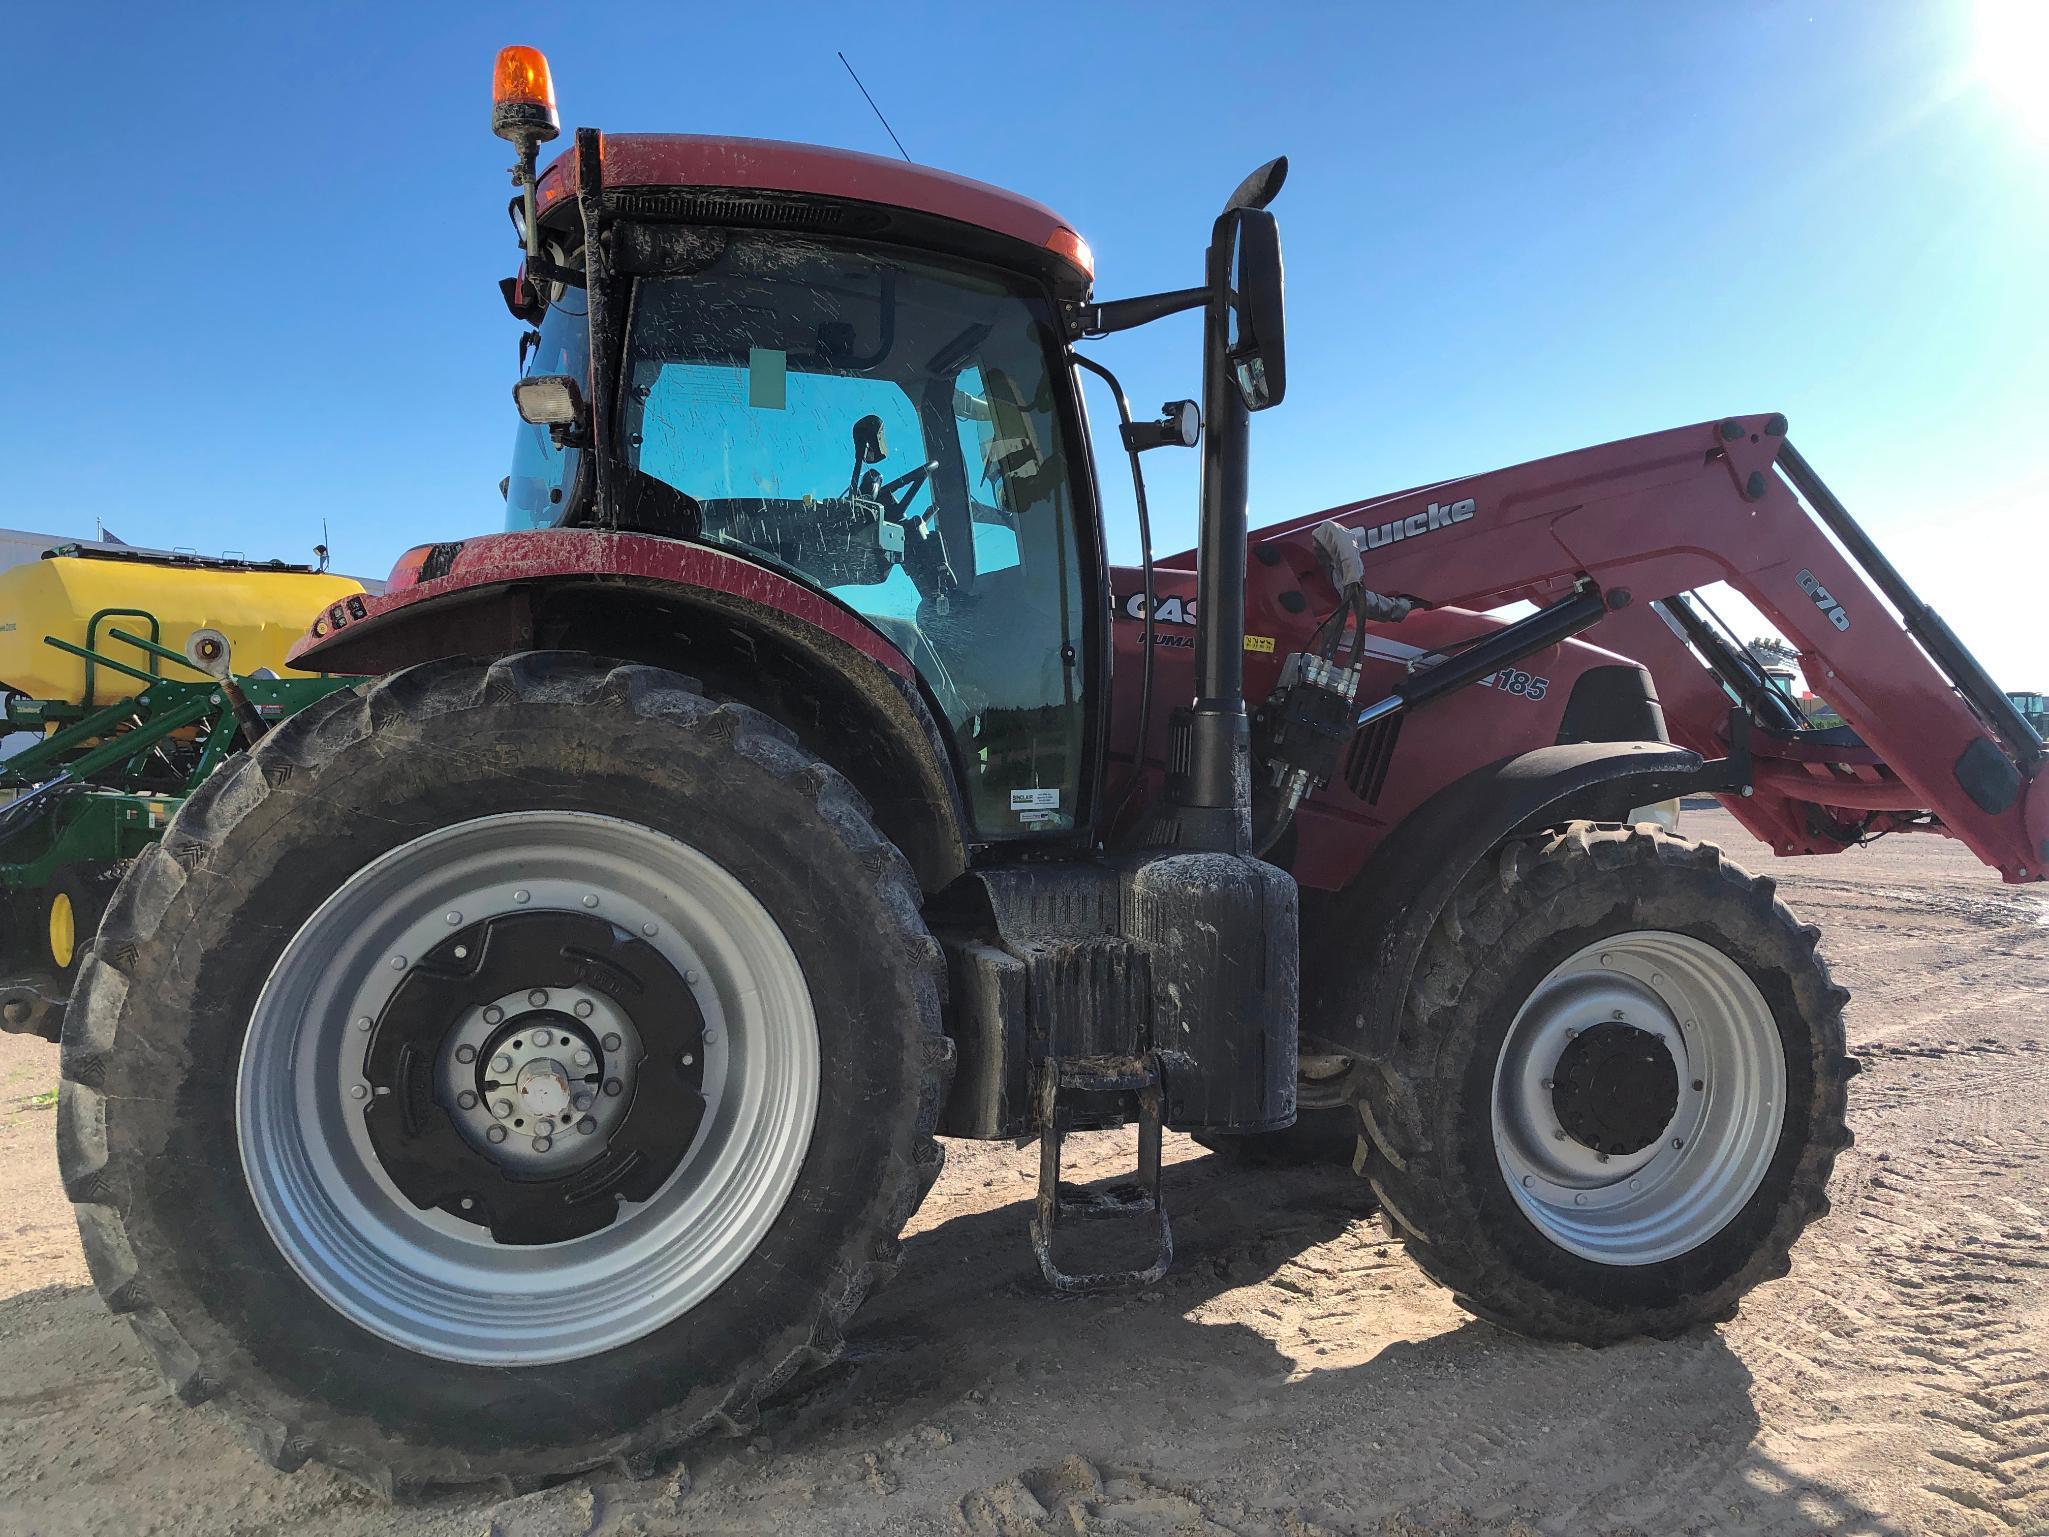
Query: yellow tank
[[261, 611]]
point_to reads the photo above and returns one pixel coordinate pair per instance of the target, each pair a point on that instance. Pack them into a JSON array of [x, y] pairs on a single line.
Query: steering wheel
[[908, 483]]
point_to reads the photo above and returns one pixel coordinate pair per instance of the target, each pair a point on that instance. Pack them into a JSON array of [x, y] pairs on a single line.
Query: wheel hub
[[543, 1089], [514, 1090], [1616, 1088], [540, 1087]]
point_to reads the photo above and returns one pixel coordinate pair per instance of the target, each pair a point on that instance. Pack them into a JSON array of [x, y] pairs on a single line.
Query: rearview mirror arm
[[1123, 314]]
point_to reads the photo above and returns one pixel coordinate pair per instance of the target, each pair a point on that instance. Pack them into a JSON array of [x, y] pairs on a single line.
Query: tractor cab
[[886, 422]]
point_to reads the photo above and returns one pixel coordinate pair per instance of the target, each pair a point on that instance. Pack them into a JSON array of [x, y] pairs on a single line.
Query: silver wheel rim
[[1708, 1160], [440, 1286]]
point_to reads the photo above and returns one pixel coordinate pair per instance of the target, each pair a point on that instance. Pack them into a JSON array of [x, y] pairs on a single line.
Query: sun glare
[[2013, 57]]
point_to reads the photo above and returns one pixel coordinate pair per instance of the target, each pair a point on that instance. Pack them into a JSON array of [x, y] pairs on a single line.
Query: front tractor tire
[[1617, 1090], [506, 1069]]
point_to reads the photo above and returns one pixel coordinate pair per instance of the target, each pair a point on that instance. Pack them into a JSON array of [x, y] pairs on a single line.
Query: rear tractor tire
[[506, 1069], [1617, 1090]]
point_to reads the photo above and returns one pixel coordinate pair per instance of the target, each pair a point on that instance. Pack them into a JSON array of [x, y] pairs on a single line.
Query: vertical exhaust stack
[[1244, 370]]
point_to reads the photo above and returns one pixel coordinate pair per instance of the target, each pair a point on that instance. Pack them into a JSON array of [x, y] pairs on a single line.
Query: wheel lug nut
[[520, 897], [583, 1101], [1559, 1135], [542, 1144], [363, 1023], [688, 1059], [613, 1043], [537, 998], [586, 1126], [649, 930], [453, 918], [357, 1091], [467, 1100], [1579, 1200], [1677, 1144], [496, 1133], [1615, 1014], [584, 1008], [614, 1087], [501, 1063], [1548, 1083], [501, 1108], [493, 1014], [590, 901], [465, 1054], [1699, 1084], [543, 1038], [583, 1057]]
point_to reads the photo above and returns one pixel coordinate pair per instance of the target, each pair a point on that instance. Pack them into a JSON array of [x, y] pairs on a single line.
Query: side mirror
[[549, 400], [1257, 339]]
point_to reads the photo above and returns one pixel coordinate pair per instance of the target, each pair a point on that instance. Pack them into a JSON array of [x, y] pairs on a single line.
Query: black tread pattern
[[102, 1024], [1408, 1103]]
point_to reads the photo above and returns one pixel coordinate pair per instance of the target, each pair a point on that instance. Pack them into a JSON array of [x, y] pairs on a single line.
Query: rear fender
[[744, 632], [1390, 907]]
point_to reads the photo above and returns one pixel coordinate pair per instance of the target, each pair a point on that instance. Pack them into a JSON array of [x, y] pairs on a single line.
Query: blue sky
[[253, 250]]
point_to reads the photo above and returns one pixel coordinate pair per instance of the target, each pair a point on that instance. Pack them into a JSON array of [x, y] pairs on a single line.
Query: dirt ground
[[1295, 1374]]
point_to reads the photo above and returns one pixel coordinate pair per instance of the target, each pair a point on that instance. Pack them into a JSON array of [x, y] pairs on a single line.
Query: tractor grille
[[1367, 761]]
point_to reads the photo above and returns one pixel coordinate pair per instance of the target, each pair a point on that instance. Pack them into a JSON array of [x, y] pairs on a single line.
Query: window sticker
[[1035, 800], [768, 378]]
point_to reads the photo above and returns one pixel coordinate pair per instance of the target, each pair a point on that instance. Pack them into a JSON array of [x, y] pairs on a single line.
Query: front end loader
[[527, 1059]]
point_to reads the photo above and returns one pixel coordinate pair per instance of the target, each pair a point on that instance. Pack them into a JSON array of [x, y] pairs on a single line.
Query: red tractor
[[529, 1058]]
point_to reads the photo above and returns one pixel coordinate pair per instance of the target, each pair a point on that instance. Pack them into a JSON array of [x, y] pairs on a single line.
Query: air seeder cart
[[528, 1059], [131, 708]]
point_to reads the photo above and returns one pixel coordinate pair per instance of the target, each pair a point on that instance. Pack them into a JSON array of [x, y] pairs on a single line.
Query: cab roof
[[771, 165]]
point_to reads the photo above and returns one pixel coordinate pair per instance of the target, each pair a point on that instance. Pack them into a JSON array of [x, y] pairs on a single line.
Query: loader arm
[[1932, 745]]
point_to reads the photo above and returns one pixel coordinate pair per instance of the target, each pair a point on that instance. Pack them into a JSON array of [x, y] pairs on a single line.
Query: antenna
[[899, 143], [320, 549]]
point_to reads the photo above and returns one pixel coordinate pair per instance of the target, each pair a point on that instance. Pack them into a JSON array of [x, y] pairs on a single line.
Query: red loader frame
[[1650, 519]]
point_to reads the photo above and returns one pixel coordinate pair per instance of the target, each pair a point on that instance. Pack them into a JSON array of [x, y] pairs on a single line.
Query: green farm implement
[[132, 726]]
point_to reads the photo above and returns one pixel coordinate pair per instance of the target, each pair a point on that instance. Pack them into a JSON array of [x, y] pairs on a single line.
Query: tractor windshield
[[887, 428]]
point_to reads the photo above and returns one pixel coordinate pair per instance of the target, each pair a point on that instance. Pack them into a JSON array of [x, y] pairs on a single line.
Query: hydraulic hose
[[1145, 555]]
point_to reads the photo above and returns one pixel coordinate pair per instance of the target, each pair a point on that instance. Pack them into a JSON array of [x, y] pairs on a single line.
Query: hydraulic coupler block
[[1302, 728]]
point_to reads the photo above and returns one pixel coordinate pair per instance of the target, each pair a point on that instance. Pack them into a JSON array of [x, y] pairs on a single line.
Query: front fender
[[1386, 913]]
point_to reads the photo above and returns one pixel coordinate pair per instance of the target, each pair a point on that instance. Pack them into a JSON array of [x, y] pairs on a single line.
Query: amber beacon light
[[523, 97], [523, 111]]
